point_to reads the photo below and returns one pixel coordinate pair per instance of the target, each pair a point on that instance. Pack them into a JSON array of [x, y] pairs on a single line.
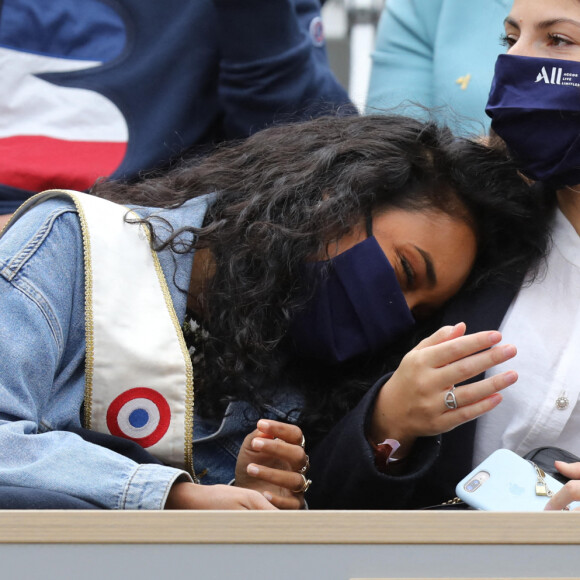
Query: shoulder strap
[[139, 378]]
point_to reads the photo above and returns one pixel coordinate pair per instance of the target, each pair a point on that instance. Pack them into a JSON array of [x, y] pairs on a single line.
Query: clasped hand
[[273, 461], [269, 474]]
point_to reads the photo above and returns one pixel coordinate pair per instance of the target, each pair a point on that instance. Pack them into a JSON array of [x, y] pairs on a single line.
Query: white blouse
[[544, 324]]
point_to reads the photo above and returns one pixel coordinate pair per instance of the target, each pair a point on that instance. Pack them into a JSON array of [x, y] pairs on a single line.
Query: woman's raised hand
[[272, 461], [412, 403]]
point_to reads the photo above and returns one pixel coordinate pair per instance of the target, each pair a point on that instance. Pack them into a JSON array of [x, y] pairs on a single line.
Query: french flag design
[[140, 414], [55, 132]]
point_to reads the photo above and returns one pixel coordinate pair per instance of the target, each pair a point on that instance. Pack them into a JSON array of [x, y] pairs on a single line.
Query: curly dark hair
[[285, 193]]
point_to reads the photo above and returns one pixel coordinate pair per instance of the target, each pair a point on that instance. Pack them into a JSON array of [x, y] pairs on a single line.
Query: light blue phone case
[[511, 485]]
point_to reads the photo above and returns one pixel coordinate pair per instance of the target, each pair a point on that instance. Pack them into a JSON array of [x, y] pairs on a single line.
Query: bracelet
[[383, 453]]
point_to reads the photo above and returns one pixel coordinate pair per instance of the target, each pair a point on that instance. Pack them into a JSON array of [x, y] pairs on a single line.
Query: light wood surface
[[315, 527]]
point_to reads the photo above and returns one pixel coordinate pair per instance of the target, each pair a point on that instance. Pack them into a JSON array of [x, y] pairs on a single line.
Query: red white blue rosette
[[141, 415], [316, 30]]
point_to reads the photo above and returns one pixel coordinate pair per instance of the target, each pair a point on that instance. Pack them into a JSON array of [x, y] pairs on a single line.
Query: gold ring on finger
[[306, 466], [305, 484]]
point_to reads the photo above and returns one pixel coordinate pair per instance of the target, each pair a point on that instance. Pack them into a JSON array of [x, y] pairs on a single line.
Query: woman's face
[[431, 252], [544, 28]]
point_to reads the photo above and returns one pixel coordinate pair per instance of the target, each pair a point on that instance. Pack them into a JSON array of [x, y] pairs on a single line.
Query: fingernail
[[494, 336], [253, 469], [262, 424], [268, 495], [509, 350], [511, 377], [257, 443]]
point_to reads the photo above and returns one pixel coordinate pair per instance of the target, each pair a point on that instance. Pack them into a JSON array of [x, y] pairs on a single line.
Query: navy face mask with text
[[358, 306], [534, 105]]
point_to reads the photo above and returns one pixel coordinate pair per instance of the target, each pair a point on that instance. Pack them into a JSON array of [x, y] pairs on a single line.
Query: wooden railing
[[295, 545]]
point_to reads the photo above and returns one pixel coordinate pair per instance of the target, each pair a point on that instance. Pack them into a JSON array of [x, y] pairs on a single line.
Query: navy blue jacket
[[93, 88]]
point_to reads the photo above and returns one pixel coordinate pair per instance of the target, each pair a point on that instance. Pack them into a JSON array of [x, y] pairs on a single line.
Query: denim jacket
[[42, 357]]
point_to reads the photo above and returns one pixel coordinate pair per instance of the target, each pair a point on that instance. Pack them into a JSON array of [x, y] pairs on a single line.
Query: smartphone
[[506, 482]]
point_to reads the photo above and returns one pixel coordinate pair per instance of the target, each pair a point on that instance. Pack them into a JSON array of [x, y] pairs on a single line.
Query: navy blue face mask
[[534, 105], [358, 306]]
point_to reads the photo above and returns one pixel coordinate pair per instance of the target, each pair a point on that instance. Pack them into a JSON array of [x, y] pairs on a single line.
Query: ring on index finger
[[306, 466], [450, 400], [303, 442]]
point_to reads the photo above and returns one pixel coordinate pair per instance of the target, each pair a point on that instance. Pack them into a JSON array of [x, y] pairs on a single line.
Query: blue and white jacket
[[94, 88]]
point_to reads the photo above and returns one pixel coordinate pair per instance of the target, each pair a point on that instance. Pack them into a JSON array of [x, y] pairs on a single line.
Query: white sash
[[139, 378]]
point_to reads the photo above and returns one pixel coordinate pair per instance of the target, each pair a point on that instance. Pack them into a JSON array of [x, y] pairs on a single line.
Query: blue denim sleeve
[[42, 372]]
